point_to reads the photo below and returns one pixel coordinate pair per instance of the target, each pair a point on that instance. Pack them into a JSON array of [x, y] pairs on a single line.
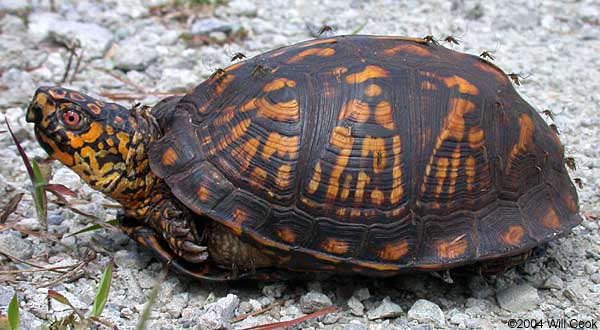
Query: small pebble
[[518, 298], [426, 311], [387, 309], [314, 301]]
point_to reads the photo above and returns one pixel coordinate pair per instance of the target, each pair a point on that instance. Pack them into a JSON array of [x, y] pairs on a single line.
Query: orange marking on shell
[[476, 137], [338, 72], [223, 82], [397, 189], [513, 235], [454, 166], [383, 115], [393, 251], [313, 185], [525, 143], [94, 108], [76, 96], [341, 139], [245, 152], [279, 83], [356, 110], [427, 85], [397, 38], [408, 48], [203, 194], [235, 133], [228, 114], [239, 217], [490, 68], [235, 66], [376, 266], [372, 90], [361, 182], [369, 72], [376, 148], [118, 120], [464, 86], [341, 212], [287, 235], [452, 249], [311, 52], [441, 172], [377, 197], [284, 175], [250, 105], [258, 177], [346, 187], [335, 246], [282, 145], [57, 94], [169, 157], [288, 111], [570, 202], [551, 219], [317, 42], [470, 171]]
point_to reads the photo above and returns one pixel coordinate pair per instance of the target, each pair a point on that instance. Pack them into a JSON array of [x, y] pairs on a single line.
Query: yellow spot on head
[[369, 72]]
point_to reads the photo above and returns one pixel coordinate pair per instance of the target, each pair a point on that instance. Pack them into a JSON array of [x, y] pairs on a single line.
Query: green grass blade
[[151, 299], [103, 290], [360, 28], [39, 194], [113, 222], [13, 313]]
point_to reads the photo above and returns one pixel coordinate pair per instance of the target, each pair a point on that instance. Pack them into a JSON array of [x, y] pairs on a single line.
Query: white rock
[[242, 8], [387, 309], [425, 311], [12, 242], [94, 38], [314, 301], [518, 298], [553, 282], [219, 313], [356, 307], [177, 80], [134, 56]]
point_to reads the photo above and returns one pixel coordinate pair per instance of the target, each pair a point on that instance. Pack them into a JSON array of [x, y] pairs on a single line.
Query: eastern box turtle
[[353, 154]]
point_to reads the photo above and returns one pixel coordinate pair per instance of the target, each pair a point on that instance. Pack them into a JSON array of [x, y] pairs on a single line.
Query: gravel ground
[[134, 45]]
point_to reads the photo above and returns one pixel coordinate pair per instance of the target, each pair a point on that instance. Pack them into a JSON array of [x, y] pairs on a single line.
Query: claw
[[179, 231], [195, 258], [191, 247]]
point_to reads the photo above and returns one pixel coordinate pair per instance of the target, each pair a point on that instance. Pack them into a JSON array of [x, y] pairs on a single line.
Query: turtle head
[[104, 143]]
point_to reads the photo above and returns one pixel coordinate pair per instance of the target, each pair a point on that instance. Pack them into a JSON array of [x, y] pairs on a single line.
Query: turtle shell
[[368, 154]]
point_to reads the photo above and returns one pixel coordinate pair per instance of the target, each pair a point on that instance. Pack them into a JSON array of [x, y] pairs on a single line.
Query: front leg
[[170, 219]]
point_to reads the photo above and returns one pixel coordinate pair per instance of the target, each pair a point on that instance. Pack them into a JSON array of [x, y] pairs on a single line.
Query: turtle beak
[[34, 110]]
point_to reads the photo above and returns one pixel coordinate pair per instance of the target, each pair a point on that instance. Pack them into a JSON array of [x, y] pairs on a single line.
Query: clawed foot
[[183, 243]]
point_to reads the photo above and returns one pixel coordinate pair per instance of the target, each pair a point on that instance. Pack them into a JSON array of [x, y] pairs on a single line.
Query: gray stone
[[274, 290], [553, 282], [356, 307], [94, 38], [218, 314], [128, 259], [134, 56], [242, 8], [425, 311], [518, 298], [590, 268], [218, 36], [207, 25], [314, 301], [244, 308], [362, 294], [177, 304], [12, 242], [14, 5], [177, 80], [595, 278], [387, 309], [6, 294], [355, 325]]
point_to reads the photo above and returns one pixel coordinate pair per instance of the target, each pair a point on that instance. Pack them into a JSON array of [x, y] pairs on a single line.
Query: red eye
[[71, 118]]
